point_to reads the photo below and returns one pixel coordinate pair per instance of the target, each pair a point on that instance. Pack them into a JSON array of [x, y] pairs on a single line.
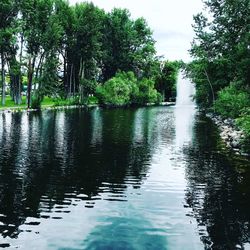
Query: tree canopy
[[221, 53], [51, 48]]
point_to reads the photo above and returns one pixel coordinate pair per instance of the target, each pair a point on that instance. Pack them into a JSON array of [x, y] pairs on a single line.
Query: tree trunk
[[211, 87], [38, 70], [74, 83], [3, 80], [70, 81], [30, 77], [20, 82], [11, 83], [81, 70], [163, 95], [19, 96], [81, 77], [65, 75], [15, 78]]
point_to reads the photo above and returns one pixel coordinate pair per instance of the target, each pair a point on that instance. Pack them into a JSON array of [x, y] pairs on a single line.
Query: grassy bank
[[49, 102], [9, 104]]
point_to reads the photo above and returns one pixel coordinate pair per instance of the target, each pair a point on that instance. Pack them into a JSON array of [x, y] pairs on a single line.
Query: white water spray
[[185, 91], [184, 111]]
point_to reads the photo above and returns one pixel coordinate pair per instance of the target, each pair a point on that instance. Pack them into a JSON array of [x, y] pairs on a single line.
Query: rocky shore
[[230, 133]]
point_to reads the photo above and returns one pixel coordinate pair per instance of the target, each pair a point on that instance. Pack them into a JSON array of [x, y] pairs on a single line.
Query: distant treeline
[[50, 48], [221, 65]]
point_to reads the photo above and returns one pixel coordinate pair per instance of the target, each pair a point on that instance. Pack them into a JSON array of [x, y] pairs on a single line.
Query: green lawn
[[10, 104], [47, 101]]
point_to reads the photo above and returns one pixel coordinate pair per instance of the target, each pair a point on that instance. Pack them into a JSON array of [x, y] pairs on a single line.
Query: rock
[[234, 134], [229, 132], [235, 144]]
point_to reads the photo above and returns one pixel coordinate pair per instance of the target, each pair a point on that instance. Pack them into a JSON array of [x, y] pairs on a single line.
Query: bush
[[244, 123], [124, 89], [244, 120], [92, 100], [231, 101], [166, 81], [36, 101], [146, 93], [66, 102], [118, 90]]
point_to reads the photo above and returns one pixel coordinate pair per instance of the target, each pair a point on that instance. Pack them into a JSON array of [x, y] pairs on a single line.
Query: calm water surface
[[146, 178]]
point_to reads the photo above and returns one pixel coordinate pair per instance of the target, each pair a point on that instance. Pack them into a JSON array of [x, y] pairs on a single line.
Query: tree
[[52, 48], [128, 45], [221, 49], [118, 90], [166, 79], [8, 13], [89, 21], [125, 89], [35, 16]]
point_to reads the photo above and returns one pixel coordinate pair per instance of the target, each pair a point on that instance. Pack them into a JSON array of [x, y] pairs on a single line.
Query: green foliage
[[204, 94], [244, 121], [88, 87], [146, 93], [231, 101], [118, 90], [92, 100], [166, 79], [56, 49], [88, 40], [128, 45], [49, 83], [66, 102], [8, 30], [125, 89], [36, 101], [221, 52]]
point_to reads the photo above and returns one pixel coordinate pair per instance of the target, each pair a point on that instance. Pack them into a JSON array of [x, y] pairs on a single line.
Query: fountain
[[185, 91], [184, 111]]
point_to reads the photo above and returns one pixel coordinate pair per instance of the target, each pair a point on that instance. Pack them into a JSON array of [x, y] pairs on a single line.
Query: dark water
[[147, 178]]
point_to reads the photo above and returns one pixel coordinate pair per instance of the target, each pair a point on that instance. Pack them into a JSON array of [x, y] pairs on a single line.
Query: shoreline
[[230, 133], [17, 109]]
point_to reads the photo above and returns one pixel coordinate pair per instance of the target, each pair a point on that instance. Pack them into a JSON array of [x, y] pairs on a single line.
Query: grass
[[47, 102], [9, 103]]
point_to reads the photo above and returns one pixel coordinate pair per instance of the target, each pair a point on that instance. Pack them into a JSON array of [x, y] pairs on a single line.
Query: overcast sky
[[170, 21]]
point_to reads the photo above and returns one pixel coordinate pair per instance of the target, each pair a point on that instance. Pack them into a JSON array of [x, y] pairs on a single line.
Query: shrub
[[66, 102], [36, 101], [231, 101], [146, 93], [166, 80], [118, 90], [244, 120], [124, 89]]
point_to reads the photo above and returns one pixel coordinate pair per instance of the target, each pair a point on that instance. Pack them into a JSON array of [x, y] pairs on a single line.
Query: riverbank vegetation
[[74, 54], [221, 65]]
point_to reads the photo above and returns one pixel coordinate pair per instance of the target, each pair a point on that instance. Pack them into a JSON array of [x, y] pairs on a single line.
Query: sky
[[170, 21]]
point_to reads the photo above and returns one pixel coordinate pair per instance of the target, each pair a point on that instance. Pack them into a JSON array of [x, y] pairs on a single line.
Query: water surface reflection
[[218, 190], [144, 178]]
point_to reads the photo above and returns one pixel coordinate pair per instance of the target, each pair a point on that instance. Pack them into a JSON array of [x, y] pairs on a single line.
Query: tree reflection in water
[[52, 157], [218, 190]]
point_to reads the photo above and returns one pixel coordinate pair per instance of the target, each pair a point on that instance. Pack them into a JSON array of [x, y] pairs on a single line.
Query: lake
[[142, 178]]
